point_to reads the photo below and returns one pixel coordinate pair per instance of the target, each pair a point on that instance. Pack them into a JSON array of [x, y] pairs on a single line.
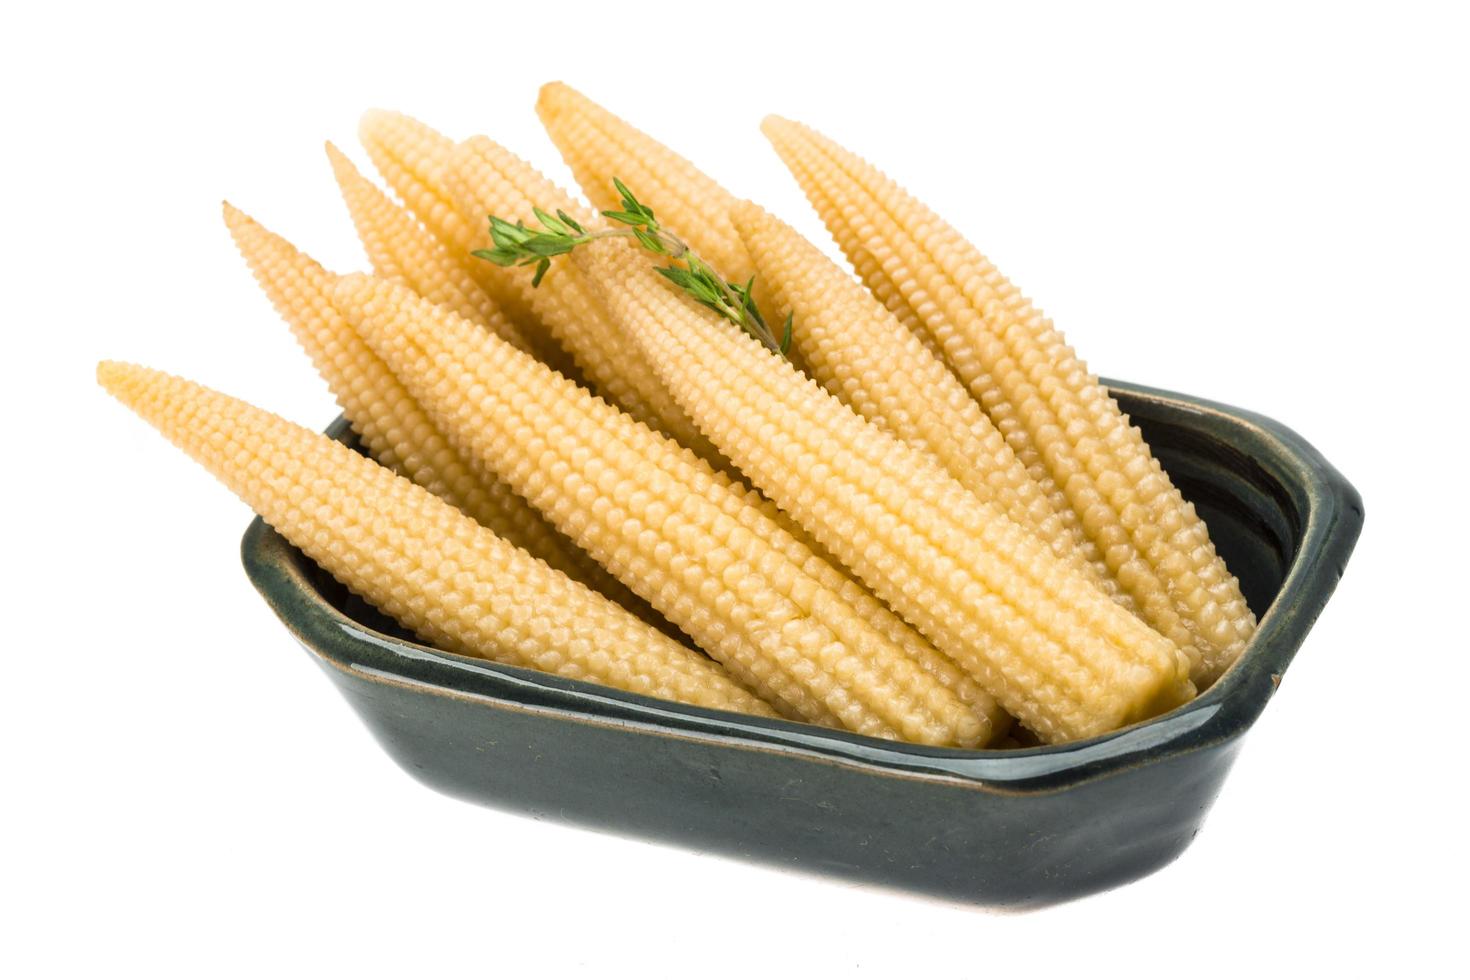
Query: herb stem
[[518, 245]]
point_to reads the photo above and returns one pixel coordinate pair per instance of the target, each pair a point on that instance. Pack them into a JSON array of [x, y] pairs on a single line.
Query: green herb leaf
[[549, 245], [624, 217], [679, 277], [552, 224], [566, 219], [517, 245]]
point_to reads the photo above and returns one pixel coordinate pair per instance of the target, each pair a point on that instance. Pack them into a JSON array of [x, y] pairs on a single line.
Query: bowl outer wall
[[1017, 827]]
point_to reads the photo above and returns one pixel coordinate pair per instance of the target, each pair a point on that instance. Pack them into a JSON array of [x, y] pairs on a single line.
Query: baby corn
[[1061, 422], [599, 146], [401, 249], [393, 427], [1053, 649], [489, 179], [858, 351], [415, 557], [413, 158], [661, 520]]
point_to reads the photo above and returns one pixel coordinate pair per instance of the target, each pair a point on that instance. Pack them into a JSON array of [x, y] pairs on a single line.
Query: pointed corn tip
[[416, 147], [108, 372], [374, 119], [346, 290], [241, 226], [342, 166], [360, 298], [379, 121], [744, 214], [553, 92], [120, 379], [376, 126], [773, 125]]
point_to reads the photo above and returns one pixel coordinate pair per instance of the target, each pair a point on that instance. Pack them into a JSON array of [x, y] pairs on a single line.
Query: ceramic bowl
[[1011, 828]]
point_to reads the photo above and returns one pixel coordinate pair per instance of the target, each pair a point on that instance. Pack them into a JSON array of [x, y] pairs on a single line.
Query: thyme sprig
[[518, 245]]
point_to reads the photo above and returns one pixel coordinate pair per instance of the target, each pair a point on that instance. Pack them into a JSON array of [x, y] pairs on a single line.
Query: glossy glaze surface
[[1018, 828]]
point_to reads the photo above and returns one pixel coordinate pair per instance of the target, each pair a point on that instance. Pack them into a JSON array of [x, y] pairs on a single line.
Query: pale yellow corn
[[599, 146], [392, 425], [870, 270], [1052, 648], [486, 177], [413, 158], [858, 351], [665, 523], [489, 179], [418, 559], [401, 249], [1059, 419]]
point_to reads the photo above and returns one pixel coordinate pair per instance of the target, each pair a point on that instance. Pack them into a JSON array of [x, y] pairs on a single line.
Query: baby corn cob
[[393, 427], [412, 555], [1053, 649], [599, 146], [489, 179], [858, 351], [413, 158], [665, 523], [1061, 422], [870, 270], [401, 249]]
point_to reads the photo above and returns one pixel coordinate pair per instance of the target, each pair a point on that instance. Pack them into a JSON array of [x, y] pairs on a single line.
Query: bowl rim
[[1329, 507]]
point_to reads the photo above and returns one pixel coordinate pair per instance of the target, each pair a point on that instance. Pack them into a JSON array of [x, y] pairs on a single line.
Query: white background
[[1265, 206]]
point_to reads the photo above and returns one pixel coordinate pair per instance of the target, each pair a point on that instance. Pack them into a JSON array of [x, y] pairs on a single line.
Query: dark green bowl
[[1024, 827]]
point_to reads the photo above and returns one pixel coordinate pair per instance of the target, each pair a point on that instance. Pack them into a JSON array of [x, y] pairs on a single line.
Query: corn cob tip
[[378, 121], [360, 294], [746, 214], [558, 100], [349, 283], [341, 165], [129, 383], [553, 93], [365, 300], [751, 222], [343, 169], [233, 216], [113, 376], [773, 124], [242, 227], [780, 131], [389, 131], [374, 119]]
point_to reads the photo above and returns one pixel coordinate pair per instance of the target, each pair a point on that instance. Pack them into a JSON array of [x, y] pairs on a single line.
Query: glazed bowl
[[1008, 828]]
